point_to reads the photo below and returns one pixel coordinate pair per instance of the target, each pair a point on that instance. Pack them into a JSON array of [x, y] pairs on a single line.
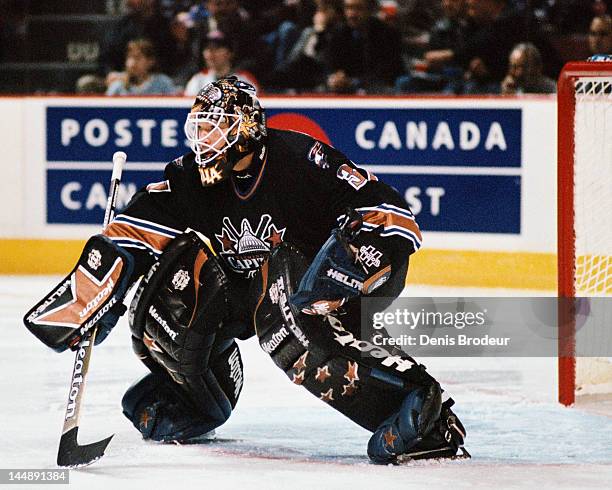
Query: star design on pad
[[327, 396], [144, 419], [349, 389], [389, 438], [301, 362], [351, 373], [298, 378], [322, 374]]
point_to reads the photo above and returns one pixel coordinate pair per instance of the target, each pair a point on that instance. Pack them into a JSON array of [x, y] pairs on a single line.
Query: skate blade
[[434, 454]]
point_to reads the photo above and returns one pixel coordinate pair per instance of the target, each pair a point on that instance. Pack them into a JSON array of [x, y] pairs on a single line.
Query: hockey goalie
[[262, 232]]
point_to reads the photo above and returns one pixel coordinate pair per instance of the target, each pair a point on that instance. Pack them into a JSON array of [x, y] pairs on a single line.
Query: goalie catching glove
[[349, 264], [92, 294]]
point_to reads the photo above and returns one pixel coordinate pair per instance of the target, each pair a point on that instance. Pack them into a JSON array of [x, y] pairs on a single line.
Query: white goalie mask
[[225, 124], [211, 133]]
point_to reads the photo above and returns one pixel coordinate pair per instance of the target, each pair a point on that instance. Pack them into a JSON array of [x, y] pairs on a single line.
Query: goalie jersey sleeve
[[330, 183], [147, 225]]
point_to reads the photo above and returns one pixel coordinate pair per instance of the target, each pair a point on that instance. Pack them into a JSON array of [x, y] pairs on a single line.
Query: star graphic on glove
[[298, 378], [389, 437]]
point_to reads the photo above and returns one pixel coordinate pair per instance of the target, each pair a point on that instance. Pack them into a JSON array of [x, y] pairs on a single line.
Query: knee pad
[[162, 410]]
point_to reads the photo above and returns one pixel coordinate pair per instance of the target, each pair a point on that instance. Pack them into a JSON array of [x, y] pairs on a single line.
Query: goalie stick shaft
[[119, 159], [69, 452]]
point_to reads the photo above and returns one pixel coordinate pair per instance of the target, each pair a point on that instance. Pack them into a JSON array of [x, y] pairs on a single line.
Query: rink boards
[[479, 173]]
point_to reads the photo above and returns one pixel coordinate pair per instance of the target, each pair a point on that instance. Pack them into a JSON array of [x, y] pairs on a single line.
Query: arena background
[[478, 172]]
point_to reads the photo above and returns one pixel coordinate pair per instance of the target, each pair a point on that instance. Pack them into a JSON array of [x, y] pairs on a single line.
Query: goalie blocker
[[91, 294]]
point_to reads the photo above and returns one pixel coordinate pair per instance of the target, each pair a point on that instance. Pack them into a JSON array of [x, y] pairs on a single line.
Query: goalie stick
[[70, 453]]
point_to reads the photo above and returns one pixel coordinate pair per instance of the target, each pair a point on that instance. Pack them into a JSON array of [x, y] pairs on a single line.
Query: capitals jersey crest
[[245, 248]]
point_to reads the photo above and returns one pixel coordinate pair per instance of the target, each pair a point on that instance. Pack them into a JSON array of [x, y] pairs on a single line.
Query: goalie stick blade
[[71, 455]]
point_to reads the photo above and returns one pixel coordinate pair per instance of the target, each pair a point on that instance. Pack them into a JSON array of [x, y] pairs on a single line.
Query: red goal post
[[584, 118]]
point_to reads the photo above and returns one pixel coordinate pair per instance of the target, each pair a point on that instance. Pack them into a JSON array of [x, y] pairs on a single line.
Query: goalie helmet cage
[[584, 219]]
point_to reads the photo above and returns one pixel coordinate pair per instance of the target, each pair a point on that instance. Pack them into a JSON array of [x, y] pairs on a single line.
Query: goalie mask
[[225, 124]]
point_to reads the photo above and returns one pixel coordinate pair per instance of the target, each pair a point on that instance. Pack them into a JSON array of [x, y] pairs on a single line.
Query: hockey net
[[584, 221]]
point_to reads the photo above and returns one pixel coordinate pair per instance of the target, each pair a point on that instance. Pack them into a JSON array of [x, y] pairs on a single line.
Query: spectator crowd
[[349, 46]]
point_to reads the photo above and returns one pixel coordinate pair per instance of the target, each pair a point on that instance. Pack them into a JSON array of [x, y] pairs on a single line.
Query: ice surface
[[280, 436]]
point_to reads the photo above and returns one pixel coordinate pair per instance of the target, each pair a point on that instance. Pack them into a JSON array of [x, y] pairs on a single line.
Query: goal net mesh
[[593, 222]]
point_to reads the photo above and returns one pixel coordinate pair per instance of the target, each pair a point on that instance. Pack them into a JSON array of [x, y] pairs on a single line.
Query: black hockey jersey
[[301, 188]]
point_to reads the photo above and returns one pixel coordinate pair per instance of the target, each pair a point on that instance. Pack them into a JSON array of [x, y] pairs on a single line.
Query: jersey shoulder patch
[[318, 155]]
